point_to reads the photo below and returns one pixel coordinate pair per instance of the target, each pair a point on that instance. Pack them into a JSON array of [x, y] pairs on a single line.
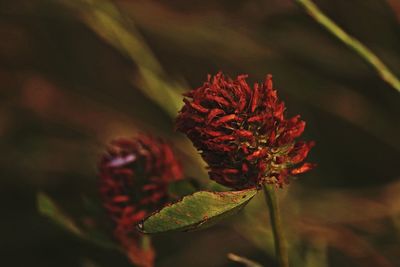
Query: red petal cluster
[[242, 133], [134, 178]]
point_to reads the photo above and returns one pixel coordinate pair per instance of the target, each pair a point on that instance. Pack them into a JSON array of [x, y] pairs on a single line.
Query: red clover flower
[[134, 178], [242, 133]]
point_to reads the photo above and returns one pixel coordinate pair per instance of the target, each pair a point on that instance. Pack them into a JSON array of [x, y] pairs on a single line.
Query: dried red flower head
[[134, 178], [242, 133]]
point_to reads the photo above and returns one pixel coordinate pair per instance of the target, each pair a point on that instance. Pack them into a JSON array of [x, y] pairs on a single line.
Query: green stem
[[383, 71], [281, 249]]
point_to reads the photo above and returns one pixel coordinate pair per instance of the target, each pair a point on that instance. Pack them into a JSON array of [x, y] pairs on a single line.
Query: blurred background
[[75, 74]]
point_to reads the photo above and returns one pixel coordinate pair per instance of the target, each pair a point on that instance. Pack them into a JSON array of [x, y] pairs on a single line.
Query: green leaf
[[200, 210], [244, 261], [48, 208], [105, 19]]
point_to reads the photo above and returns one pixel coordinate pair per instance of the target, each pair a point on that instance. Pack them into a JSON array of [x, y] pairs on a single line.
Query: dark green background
[[65, 92]]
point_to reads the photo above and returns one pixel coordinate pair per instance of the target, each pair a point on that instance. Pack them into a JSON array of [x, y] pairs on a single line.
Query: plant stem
[[383, 71], [281, 249]]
